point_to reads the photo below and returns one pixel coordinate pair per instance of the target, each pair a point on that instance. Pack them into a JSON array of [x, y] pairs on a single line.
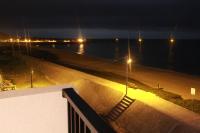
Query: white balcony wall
[[33, 111]]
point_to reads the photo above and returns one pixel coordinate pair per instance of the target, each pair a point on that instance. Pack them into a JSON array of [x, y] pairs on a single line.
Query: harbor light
[[80, 40]]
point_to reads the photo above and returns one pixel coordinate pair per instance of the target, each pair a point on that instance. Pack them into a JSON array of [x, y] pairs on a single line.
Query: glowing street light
[[140, 40], [32, 72], [193, 91], [172, 40], [129, 60]]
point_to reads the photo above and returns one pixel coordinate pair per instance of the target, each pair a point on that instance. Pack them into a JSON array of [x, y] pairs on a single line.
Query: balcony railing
[[81, 117]]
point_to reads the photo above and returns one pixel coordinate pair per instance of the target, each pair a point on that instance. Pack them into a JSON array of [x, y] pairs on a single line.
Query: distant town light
[[66, 41], [51, 41], [11, 40]]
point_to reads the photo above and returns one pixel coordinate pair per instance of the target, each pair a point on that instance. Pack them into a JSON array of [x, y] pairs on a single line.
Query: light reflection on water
[[81, 49], [182, 55]]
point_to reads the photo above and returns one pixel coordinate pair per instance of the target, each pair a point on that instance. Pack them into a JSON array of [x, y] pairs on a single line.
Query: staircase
[[117, 111]]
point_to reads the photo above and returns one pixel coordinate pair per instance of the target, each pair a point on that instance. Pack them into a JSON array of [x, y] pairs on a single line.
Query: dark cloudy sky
[[101, 18]]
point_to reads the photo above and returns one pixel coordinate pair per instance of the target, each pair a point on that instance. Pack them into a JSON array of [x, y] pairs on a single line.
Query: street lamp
[[193, 93], [172, 38], [128, 63], [139, 39], [32, 72]]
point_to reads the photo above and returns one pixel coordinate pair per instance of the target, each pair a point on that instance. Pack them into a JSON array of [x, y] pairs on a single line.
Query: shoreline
[[174, 82], [140, 78], [145, 101]]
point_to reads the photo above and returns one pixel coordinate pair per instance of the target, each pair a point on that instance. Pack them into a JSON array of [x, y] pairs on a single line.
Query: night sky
[[101, 18]]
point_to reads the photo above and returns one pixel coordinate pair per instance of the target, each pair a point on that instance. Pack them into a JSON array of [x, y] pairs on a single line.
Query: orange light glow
[[80, 40], [11, 40], [66, 41], [140, 39], [172, 40], [129, 61]]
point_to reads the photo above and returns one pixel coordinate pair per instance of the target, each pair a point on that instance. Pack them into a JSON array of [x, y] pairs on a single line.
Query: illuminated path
[[63, 75], [175, 82]]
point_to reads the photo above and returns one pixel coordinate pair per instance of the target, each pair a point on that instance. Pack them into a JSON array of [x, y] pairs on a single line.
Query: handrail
[[87, 114]]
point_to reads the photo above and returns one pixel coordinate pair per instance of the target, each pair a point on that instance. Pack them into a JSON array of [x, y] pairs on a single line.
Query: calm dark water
[[182, 56]]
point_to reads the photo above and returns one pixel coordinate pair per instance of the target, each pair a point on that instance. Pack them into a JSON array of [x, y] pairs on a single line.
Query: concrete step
[[118, 110], [128, 98]]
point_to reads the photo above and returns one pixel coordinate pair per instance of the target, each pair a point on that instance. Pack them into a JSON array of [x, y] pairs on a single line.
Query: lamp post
[[172, 40], [193, 93], [128, 62], [32, 72]]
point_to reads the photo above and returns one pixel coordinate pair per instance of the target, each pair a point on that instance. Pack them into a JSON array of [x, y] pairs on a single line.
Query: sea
[[183, 55]]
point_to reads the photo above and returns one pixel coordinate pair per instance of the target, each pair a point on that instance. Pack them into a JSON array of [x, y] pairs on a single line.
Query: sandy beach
[[170, 81], [144, 115]]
